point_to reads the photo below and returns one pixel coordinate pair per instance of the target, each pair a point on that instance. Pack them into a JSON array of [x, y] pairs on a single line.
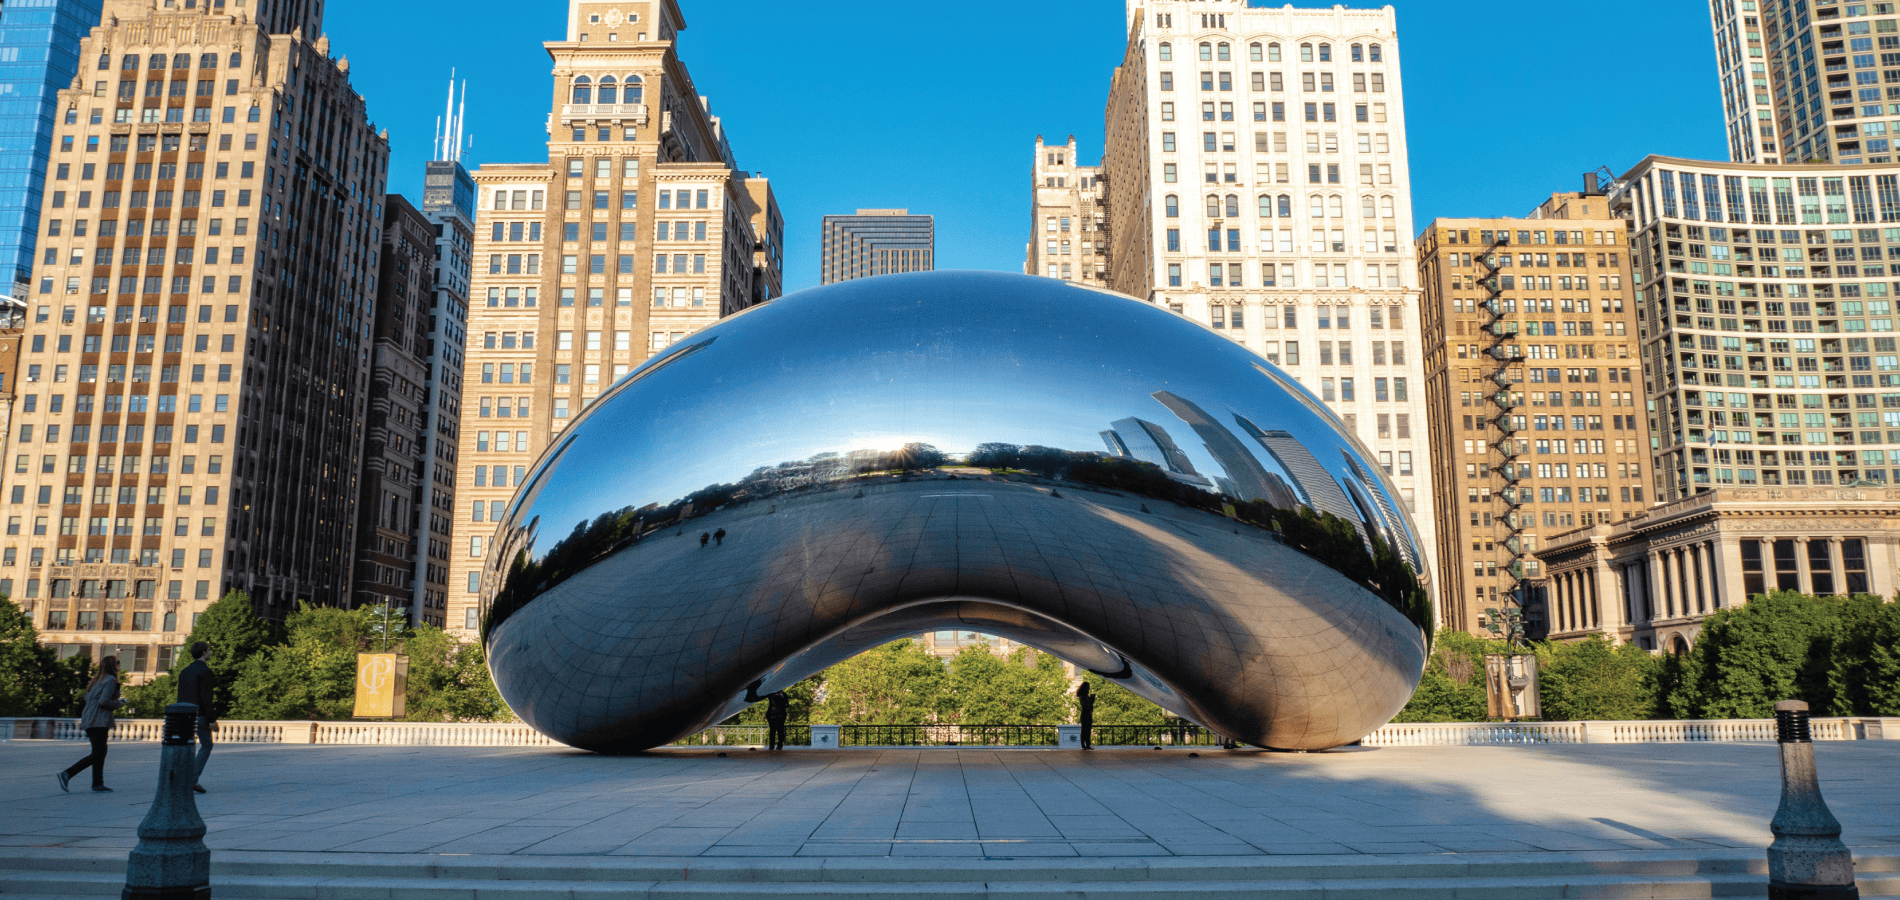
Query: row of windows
[[110, 434], [1270, 52], [1216, 173], [1270, 206], [1286, 275], [608, 90], [128, 495], [1310, 82], [136, 227]]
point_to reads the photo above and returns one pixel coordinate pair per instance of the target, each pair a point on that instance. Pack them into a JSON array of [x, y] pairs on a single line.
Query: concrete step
[[1598, 887], [58, 872]]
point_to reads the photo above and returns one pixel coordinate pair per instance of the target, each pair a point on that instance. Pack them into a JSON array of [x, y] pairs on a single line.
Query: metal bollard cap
[[1791, 722], [181, 722]]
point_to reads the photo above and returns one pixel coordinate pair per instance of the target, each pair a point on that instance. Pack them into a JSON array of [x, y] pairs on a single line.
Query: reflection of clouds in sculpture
[[1136, 519]]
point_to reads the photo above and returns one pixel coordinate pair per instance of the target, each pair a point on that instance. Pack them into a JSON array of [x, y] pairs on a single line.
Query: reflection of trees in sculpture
[[1333, 541]]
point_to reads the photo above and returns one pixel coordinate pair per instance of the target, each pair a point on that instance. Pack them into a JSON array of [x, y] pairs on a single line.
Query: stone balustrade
[[1397, 734]]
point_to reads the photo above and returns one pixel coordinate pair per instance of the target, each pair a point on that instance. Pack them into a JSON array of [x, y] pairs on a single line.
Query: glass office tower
[[39, 55]]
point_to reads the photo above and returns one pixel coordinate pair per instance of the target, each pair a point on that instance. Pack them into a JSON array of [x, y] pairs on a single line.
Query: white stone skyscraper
[[1748, 108], [1257, 182]]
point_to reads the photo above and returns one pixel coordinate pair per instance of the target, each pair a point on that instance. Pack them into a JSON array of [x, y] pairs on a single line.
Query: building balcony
[[600, 112]]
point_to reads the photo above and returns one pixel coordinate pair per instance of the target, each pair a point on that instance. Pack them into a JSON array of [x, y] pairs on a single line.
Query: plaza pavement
[[971, 803]]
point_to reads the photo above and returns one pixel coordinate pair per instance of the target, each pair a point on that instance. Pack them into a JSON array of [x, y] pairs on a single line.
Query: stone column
[[1658, 586], [1837, 567], [1731, 555], [1614, 613], [1715, 574], [1804, 577]]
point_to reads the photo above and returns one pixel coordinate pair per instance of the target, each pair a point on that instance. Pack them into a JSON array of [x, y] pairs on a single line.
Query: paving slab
[[910, 804]]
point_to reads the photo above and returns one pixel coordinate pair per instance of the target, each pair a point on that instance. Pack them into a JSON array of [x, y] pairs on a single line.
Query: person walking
[[196, 685], [776, 706], [703, 538], [1085, 700], [102, 697], [719, 538]]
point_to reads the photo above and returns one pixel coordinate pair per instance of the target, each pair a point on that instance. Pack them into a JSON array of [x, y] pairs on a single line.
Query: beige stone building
[[638, 230], [192, 386], [1068, 219], [1535, 411], [1654, 579], [1258, 182]]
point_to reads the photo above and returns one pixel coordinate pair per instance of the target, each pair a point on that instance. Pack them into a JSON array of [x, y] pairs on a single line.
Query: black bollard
[[171, 861], [1807, 861]]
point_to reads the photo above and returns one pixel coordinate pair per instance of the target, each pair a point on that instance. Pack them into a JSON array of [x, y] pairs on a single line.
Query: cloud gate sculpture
[[849, 465]]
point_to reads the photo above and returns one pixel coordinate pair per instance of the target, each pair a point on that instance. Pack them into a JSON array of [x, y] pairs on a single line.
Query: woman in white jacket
[[102, 697]]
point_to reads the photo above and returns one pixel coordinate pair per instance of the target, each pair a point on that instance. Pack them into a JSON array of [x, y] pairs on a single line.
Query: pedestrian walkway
[[1559, 799]]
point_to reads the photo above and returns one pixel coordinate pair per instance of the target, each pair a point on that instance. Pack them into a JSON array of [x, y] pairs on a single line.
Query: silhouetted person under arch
[[1085, 701], [776, 705]]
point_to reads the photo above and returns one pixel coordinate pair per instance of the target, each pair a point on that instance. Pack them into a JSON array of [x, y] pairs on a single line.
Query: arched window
[[1306, 53], [609, 91], [634, 92], [583, 90], [1286, 206], [1325, 53], [1266, 206], [1233, 206], [1222, 52], [1207, 51], [1173, 206], [1374, 51], [256, 114], [130, 63], [181, 61], [1213, 206], [1167, 51], [1316, 205], [1253, 51], [105, 61], [1385, 206], [156, 62], [1336, 206], [1358, 53], [1273, 53], [1368, 207], [207, 60]]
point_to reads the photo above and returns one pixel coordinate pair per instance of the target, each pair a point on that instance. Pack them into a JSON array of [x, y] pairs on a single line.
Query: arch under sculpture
[[1070, 468]]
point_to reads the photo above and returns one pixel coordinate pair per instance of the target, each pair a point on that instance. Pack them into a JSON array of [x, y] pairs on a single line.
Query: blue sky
[[935, 107]]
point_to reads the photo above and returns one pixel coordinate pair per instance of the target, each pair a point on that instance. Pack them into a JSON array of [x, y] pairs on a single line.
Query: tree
[[33, 681], [448, 680], [1117, 705], [1452, 687], [1747, 658], [1594, 679], [897, 684], [313, 676], [238, 638], [1026, 688], [1864, 676]]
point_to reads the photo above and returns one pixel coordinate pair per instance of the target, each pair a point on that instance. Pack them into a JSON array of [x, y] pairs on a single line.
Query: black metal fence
[[947, 735], [1180, 735], [744, 735]]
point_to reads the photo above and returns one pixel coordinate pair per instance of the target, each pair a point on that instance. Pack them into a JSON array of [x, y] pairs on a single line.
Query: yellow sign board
[[380, 680]]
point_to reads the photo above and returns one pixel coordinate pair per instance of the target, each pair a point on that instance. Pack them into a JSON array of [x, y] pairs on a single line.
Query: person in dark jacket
[[196, 685], [776, 706], [1086, 702], [102, 697]]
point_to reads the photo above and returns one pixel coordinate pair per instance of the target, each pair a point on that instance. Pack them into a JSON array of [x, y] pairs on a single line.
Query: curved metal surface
[[1069, 468]]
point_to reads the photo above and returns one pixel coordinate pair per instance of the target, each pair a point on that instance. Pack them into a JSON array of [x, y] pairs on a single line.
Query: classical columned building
[[1654, 579]]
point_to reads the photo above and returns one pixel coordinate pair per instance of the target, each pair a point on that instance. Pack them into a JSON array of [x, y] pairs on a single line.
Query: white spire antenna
[[446, 125], [461, 117]]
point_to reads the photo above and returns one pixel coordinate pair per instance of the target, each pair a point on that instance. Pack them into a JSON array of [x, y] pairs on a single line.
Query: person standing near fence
[[196, 684], [1085, 701], [776, 706], [102, 697]]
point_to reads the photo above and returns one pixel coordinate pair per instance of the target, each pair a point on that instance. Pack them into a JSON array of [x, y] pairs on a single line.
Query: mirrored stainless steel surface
[[1073, 469]]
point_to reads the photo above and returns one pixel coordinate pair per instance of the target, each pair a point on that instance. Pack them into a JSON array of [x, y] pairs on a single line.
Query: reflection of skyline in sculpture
[[1309, 477], [1140, 439], [1245, 477], [1388, 518]]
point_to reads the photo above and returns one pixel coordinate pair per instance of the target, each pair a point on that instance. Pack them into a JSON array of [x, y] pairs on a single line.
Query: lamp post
[[171, 861]]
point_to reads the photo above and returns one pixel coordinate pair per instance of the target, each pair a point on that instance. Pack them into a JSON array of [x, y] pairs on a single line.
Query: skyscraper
[[448, 202], [1257, 182], [638, 230], [42, 47], [1068, 220], [876, 242], [196, 367], [1808, 82], [1537, 420]]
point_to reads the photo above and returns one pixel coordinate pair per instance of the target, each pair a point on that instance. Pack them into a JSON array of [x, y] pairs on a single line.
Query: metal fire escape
[[1506, 620]]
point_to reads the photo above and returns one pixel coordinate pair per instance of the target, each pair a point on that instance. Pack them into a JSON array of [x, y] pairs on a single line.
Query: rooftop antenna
[[448, 130]]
